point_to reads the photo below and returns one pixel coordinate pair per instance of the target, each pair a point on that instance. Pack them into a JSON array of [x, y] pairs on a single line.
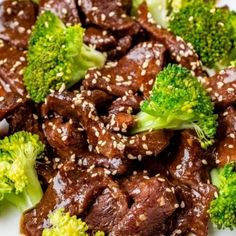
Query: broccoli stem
[[31, 195]]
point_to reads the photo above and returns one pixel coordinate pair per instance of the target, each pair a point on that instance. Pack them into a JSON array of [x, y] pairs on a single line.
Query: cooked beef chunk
[[225, 150], [108, 15], [26, 118], [188, 165], [100, 39], [73, 190], [135, 71], [192, 215], [66, 10], [222, 87], [108, 210], [17, 19], [180, 51], [126, 103], [101, 138], [12, 91], [113, 166], [123, 45], [154, 202], [67, 138], [120, 122], [147, 144]]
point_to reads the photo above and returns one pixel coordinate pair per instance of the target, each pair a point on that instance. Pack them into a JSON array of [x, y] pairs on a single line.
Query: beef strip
[[154, 202], [67, 138], [26, 118], [225, 150], [192, 215], [134, 72], [100, 138], [100, 39], [12, 91], [17, 19], [126, 103], [108, 15], [114, 166], [147, 144], [222, 87], [108, 210], [188, 165], [66, 10], [180, 51], [123, 45], [73, 190]]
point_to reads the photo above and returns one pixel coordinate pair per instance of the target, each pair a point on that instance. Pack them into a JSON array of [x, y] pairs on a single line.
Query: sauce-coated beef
[[17, 19], [66, 10]]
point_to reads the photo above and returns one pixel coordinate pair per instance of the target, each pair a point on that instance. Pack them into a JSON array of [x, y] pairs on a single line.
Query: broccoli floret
[[223, 209], [207, 28], [66, 225], [159, 10], [178, 101], [57, 57], [19, 182]]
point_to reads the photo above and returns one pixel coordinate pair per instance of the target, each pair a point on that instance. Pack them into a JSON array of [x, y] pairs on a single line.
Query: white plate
[[9, 217]]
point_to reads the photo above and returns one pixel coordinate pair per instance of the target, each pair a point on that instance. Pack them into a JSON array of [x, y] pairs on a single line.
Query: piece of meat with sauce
[[113, 166], [108, 209], [225, 150], [222, 87], [136, 71], [188, 166], [67, 138], [74, 190], [192, 214], [66, 10], [12, 91], [180, 51], [153, 203], [100, 39], [147, 144], [17, 19], [108, 15]]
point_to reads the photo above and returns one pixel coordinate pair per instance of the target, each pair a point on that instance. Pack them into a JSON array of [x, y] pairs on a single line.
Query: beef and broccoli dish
[[121, 116]]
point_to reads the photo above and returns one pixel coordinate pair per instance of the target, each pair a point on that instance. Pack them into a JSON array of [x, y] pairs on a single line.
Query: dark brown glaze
[[113, 166], [17, 19], [147, 144], [108, 210], [26, 118], [222, 87], [123, 45], [100, 39], [66, 10], [154, 202], [188, 165], [179, 50], [192, 214], [12, 91], [225, 150], [73, 190], [67, 138], [134, 72], [108, 15], [127, 103]]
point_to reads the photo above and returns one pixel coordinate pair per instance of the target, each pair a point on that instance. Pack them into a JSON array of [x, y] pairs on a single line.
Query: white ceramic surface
[[9, 217]]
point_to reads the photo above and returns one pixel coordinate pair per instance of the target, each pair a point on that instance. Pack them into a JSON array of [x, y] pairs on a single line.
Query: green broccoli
[[19, 182], [223, 209], [66, 225], [57, 57], [208, 29], [159, 10], [178, 101]]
